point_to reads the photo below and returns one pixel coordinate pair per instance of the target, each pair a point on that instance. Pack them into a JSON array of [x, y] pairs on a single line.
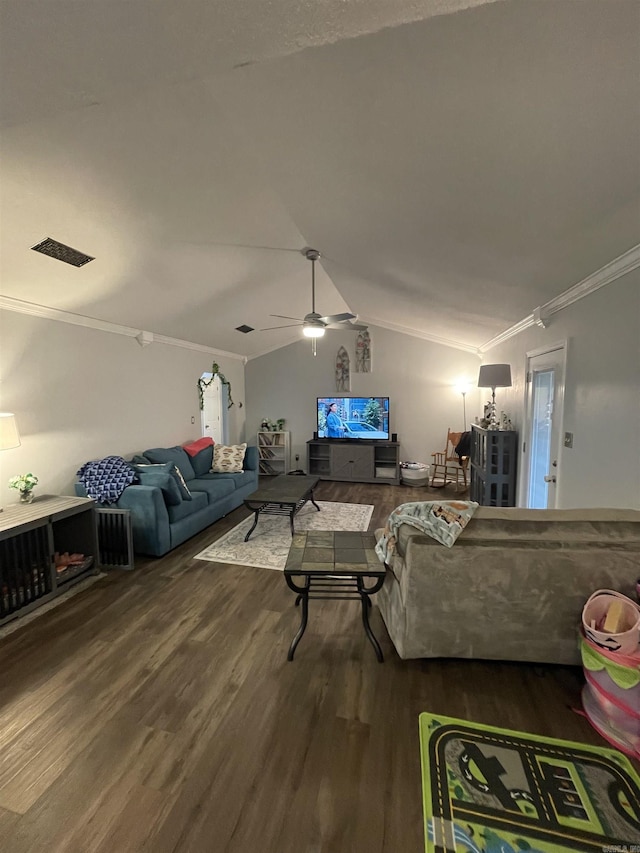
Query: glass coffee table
[[334, 564], [281, 495]]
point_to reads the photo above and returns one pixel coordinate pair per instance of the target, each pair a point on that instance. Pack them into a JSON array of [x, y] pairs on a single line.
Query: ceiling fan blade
[[337, 318], [284, 317], [354, 327], [288, 326], [238, 245]]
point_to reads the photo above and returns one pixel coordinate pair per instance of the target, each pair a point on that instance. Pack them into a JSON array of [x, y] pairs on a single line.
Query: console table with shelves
[[30, 536], [273, 452], [493, 466], [354, 461]]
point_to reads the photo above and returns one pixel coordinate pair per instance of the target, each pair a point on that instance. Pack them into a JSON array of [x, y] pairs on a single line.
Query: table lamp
[[494, 376], [9, 435]]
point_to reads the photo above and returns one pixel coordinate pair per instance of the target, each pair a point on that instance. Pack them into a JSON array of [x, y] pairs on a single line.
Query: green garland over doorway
[[204, 383]]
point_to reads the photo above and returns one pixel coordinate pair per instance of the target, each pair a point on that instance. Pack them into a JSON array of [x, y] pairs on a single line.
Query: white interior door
[[214, 412], [543, 427]]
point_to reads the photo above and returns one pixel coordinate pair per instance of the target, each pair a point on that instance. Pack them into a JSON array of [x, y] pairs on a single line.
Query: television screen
[[353, 417]]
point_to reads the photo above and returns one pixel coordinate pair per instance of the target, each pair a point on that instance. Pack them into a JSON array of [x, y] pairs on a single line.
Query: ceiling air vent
[[62, 253], [245, 329]]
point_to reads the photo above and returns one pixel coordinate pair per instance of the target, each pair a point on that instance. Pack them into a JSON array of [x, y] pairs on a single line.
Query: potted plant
[[25, 484]]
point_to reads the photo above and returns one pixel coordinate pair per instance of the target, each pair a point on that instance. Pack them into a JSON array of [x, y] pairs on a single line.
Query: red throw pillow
[[196, 446]]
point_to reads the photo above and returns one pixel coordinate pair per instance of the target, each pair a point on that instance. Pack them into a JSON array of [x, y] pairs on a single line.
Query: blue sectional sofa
[[160, 523]]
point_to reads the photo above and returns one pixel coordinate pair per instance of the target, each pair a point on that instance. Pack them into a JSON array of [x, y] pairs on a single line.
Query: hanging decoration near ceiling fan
[[313, 324], [343, 371], [363, 353]]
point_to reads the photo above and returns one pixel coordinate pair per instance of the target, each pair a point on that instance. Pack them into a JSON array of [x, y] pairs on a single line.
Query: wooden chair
[[447, 467]]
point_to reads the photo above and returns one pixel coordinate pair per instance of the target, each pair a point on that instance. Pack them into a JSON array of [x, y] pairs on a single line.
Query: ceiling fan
[[313, 325]]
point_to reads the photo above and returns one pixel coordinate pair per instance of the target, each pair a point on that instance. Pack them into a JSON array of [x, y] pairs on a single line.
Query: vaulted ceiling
[[457, 162]]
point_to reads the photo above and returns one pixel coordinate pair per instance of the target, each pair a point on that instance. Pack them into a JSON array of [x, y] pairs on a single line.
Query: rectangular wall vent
[[61, 252], [245, 329]]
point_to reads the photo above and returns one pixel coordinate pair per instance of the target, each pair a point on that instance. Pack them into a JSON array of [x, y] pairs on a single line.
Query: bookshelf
[[493, 466], [273, 452]]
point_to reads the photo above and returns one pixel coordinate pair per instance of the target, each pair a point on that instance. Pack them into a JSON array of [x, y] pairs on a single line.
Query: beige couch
[[513, 585]]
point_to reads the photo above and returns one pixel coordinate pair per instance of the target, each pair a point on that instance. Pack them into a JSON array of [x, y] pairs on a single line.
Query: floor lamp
[[463, 387], [494, 376], [9, 435]]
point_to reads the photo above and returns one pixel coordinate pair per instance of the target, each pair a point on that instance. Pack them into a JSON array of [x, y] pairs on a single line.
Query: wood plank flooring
[[156, 711]]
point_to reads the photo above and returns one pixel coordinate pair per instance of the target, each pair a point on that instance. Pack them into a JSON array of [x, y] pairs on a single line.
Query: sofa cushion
[[165, 468], [163, 481], [139, 459], [182, 510], [215, 489], [202, 461], [176, 473], [172, 454], [228, 459], [238, 480]]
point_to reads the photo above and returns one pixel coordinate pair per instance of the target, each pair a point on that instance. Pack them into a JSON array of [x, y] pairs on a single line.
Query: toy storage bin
[[611, 695]]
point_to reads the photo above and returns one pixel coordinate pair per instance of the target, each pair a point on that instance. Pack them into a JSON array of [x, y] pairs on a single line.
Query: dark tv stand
[[354, 461]]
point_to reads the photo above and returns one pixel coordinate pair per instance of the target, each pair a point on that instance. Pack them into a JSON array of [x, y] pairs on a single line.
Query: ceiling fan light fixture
[[313, 331]]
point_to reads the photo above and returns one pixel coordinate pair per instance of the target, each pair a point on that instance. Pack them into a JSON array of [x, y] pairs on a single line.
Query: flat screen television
[[353, 418]]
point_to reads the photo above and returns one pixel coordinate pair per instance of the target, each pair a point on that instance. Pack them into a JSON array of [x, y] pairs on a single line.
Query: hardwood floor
[[156, 711]]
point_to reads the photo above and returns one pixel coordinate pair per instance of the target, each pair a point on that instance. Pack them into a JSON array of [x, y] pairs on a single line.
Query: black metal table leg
[[304, 599], [312, 500], [291, 514], [253, 526], [366, 604]]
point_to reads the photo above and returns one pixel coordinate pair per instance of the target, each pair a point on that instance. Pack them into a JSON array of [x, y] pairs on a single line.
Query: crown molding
[[511, 332], [416, 333], [615, 269], [19, 306], [607, 274]]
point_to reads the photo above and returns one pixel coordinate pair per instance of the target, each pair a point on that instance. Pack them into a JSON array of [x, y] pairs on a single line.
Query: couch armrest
[[149, 517], [250, 458]]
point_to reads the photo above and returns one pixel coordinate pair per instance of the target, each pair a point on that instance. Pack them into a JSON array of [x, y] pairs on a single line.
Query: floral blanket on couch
[[444, 521]]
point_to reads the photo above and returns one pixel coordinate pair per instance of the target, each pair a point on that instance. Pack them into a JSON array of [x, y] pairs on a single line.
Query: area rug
[[490, 790], [270, 541]]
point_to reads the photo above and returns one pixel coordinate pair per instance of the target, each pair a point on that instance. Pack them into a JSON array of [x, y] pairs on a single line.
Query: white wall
[[81, 394], [602, 397], [416, 375]]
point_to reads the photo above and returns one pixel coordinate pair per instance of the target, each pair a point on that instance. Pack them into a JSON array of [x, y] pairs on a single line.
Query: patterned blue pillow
[[165, 468], [177, 455], [164, 482]]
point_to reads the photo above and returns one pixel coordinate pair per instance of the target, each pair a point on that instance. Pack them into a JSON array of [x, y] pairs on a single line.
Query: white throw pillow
[[228, 459]]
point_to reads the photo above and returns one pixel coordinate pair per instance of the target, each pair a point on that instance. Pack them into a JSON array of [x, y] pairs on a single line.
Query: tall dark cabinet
[[493, 466]]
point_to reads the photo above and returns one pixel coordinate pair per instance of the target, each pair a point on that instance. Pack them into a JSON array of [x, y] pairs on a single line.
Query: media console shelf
[[30, 535], [354, 461]]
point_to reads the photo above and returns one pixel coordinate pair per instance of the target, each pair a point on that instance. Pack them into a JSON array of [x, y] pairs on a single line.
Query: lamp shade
[[9, 435], [494, 376]]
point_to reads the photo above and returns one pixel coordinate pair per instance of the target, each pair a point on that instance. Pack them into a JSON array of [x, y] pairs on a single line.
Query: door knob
[[550, 478]]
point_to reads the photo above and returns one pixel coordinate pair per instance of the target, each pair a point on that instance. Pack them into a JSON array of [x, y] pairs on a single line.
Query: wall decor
[[204, 383], [343, 374], [363, 352]]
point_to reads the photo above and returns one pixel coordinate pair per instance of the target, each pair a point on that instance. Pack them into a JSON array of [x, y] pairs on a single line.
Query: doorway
[[543, 426], [215, 399]]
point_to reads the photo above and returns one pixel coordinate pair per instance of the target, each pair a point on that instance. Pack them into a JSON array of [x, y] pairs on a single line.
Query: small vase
[[26, 497]]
